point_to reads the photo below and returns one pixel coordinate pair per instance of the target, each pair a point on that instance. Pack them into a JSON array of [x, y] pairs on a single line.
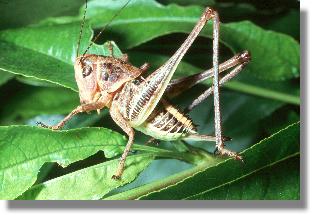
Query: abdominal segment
[[167, 123]]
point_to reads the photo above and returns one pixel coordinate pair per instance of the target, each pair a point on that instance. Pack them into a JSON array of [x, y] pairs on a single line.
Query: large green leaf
[[33, 101], [89, 183], [200, 179], [33, 64], [46, 53], [284, 184], [24, 149], [17, 13], [143, 20]]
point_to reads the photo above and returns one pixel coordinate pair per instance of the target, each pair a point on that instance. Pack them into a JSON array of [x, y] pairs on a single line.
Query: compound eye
[[86, 71], [105, 75]]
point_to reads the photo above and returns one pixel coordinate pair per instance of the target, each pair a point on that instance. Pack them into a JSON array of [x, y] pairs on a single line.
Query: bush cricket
[[139, 103]]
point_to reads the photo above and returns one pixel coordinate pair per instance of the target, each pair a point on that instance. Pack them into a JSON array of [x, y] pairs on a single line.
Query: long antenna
[[107, 24], [81, 28]]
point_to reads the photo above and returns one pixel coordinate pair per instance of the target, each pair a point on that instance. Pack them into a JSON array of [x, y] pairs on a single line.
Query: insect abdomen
[[170, 119], [167, 123]]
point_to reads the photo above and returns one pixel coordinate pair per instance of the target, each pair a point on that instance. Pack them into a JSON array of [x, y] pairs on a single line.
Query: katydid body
[[138, 103]]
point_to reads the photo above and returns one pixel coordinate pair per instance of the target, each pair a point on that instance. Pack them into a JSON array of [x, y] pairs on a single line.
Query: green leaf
[[5, 76], [17, 13], [277, 120], [90, 183], [200, 179], [38, 66], [46, 53], [284, 184], [59, 41], [142, 21], [24, 149], [33, 101]]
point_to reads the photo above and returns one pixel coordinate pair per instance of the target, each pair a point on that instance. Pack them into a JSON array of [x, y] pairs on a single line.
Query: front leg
[[79, 109], [125, 126]]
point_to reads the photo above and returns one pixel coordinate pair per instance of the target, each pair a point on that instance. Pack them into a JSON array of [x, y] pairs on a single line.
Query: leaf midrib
[[42, 79], [245, 175]]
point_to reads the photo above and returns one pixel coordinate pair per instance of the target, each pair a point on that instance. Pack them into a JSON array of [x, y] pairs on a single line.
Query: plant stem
[[173, 179], [190, 154], [262, 92]]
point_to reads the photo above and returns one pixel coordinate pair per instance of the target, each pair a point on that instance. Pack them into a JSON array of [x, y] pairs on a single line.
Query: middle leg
[[126, 127]]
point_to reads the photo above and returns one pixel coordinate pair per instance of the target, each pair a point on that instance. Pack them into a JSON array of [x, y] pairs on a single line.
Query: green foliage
[[156, 20], [200, 182], [19, 13], [45, 62], [22, 105], [89, 183], [260, 108], [30, 147], [25, 149], [261, 184], [5, 77]]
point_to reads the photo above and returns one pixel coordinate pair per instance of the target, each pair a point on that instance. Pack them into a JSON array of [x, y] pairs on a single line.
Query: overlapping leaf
[[284, 184], [143, 20], [24, 149], [199, 181], [18, 13], [89, 183], [33, 101], [46, 53]]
